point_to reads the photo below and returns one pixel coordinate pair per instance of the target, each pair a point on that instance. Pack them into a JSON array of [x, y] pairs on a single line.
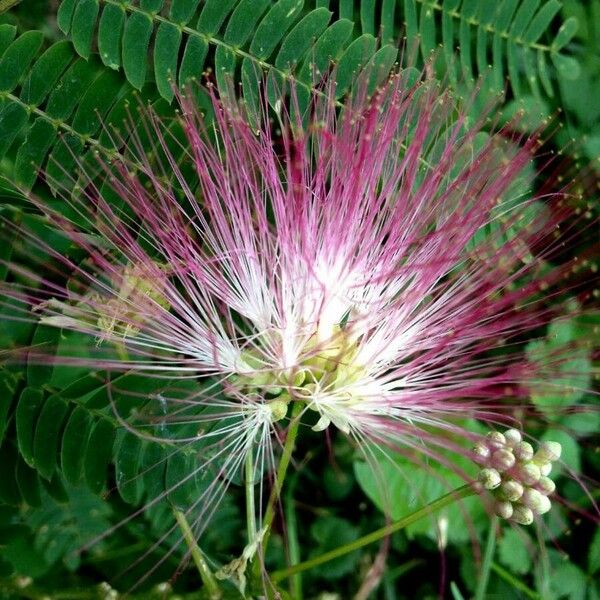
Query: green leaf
[[367, 16], [541, 21], [586, 422], [17, 58], [243, 21], [330, 45], [47, 435], [98, 454], [388, 9], [28, 409], [302, 37], [153, 470], [380, 65], [398, 487], [110, 31], [183, 10], [410, 19], [567, 66], [96, 101], [46, 72], [28, 483], [565, 34], [166, 49], [136, 38], [468, 10], [62, 161], [273, 27], [83, 25], [151, 5], [75, 437], [213, 14], [181, 479], [7, 35], [352, 61], [70, 89], [329, 532], [238, 31], [33, 151], [127, 463], [6, 400], [569, 581], [56, 488], [44, 340], [513, 552], [193, 59], [64, 15], [427, 30], [523, 17], [593, 559], [9, 489]]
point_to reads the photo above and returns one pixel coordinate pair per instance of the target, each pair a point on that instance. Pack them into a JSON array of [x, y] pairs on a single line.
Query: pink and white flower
[[368, 265]]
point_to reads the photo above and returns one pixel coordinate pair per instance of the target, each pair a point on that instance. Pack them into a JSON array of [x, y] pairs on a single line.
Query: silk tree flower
[[369, 262]]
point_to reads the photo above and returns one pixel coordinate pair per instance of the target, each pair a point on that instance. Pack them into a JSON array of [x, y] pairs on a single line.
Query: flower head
[[517, 477], [366, 266]]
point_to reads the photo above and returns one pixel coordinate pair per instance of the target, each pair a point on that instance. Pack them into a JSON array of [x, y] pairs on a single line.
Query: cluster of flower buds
[[516, 475]]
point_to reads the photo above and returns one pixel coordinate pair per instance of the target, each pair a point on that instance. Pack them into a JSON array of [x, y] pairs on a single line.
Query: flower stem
[[250, 506], [490, 547], [291, 523], [284, 462], [462, 492], [516, 583], [214, 593]]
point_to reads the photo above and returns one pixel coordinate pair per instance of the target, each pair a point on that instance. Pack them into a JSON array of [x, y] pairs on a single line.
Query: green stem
[[122, 351], [462, 492], [490, 548], [206, 575], [284, 463], [291, 523], [516, 583], [250, 506]]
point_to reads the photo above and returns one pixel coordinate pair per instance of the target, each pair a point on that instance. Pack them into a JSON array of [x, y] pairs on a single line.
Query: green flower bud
[[531, 498], [548, 452], [522, 515], [545, 469], [278, 409], [299, 377], [503, 509], [511, 490], [489, 478], [495, 440], [528, 473], [481, 453], [545, 485], [544, 506], [502, 460], [513, 437], [536, 501], [523, 451]]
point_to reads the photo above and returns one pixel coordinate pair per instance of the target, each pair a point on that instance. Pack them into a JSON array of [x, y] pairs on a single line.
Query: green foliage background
[[70, 72]]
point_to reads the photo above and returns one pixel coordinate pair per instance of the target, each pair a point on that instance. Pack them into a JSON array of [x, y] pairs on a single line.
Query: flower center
[[325, 378]]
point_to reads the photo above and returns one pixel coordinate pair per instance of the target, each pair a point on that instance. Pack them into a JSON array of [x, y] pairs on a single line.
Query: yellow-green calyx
[[325, 377], [516, 475], [137, 293]]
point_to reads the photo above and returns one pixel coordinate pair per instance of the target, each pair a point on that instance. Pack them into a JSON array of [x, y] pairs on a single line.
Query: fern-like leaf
[[54, 106], [176, 38]]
